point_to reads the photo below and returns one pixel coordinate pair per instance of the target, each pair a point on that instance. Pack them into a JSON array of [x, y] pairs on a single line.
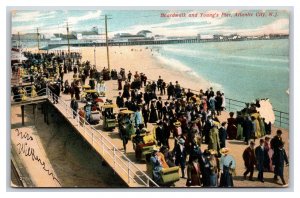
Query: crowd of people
[[190, 118]]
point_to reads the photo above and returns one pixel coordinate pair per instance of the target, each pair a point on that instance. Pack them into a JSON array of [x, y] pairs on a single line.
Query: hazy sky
[[131, 21]]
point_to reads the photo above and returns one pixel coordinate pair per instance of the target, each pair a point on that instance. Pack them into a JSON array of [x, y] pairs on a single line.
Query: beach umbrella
[[266, 111]]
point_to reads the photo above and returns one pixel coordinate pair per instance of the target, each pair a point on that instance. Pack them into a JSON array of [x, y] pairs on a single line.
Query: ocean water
[[244, 70]]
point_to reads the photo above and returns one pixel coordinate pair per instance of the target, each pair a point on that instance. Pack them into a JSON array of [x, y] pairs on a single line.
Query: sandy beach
[[142, 59]]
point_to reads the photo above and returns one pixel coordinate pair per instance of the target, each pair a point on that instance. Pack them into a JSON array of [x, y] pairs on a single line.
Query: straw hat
[[217, 124], [213, 152], [224, 151], [177, 123]]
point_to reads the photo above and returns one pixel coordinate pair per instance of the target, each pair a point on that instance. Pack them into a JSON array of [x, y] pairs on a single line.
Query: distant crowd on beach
[[187, 117]]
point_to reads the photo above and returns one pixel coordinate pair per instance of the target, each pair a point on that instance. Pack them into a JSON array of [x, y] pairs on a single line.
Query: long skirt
[[232, 132], [278, 170], [226, 178], [213, 180], [239, 132], [153, 116], [119, 84]]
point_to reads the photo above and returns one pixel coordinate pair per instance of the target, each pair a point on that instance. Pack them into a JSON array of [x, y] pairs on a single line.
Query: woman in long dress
[[213, 165], [239, 122], [231, 127], [156, 166], [269, 153], [227, 167], [153, 113], [193, 172]]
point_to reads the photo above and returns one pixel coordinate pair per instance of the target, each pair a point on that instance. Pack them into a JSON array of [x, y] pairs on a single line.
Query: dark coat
[[159, 105], [74, 105], [260, 155], [120, 101], [223, 137], [276, 140], [159, 135], [145, 113], [278, 160], [247, 128], [153, 114], [180, 156], [218, 103], [249, 157], [171, 90], [231, 128]]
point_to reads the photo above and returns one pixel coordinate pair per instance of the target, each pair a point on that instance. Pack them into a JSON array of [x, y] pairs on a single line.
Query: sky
[[191, 22]]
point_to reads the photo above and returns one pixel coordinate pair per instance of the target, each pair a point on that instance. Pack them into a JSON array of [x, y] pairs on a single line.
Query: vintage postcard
[[150, 98]]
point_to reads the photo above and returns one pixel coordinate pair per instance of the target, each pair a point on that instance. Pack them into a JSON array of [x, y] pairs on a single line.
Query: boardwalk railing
[[281, 118], [112, 155]]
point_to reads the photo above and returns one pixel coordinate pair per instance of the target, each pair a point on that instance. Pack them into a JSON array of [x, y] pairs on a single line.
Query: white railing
[[119, 161]]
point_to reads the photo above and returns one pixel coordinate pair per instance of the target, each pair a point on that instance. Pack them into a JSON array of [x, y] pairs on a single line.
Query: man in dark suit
[[180, 155], [260, 155], [165, 110], [120, 100], [74, 106], [223, 135], [189, 94], [249, 160], [159, 133], [207, 127], [247, 129], [276, 141], [159, 106], [170, 90]]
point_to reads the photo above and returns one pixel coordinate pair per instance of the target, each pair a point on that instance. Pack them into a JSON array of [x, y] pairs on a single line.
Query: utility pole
[[68, 38], [19, 40], [38, 39], [95, 55], [107, 51]]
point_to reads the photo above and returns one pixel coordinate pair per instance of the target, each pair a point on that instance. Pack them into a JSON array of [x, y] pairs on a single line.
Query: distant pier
[[80, 43]]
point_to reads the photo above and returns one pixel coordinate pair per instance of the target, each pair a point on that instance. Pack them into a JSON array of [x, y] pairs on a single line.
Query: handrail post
[[229, 103], [84, 126], [280, 118], [114, 160], [128, 172], [92, 138], [102, 145]]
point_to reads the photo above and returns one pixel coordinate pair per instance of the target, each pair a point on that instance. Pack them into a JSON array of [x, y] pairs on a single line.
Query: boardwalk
[[133, 173]]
